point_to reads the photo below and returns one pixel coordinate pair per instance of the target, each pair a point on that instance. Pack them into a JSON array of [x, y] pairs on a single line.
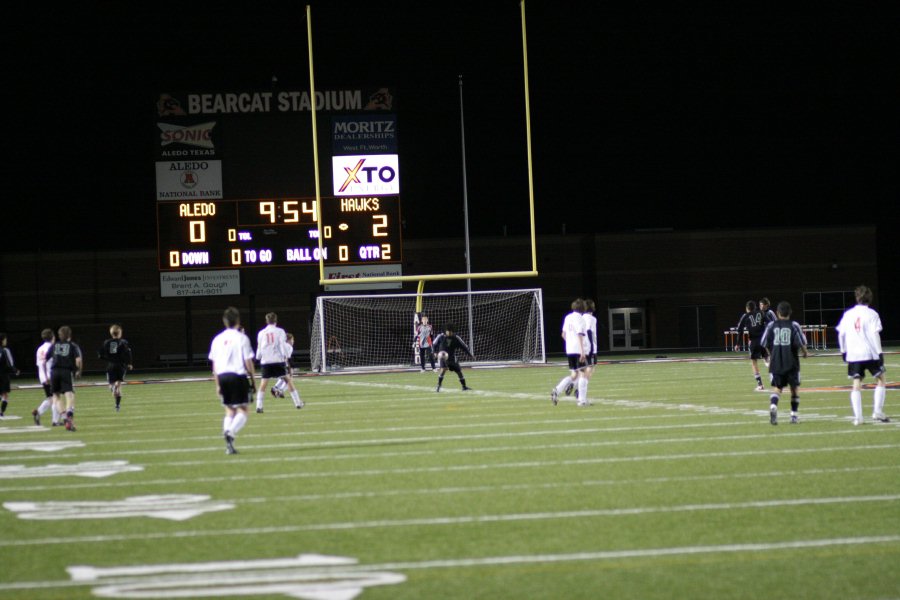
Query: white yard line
[[459, 520]]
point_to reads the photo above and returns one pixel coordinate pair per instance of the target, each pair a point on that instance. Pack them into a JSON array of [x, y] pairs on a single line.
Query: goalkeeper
[[423, 343], [445, 346]]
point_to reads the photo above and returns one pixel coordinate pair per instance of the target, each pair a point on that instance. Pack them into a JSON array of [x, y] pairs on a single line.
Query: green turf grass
[[672, 485]]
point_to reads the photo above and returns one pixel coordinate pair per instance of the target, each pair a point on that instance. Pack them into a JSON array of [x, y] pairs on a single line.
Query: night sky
[[684, 117]]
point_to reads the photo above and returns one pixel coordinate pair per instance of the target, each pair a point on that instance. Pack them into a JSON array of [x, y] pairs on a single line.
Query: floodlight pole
[[462, 131]]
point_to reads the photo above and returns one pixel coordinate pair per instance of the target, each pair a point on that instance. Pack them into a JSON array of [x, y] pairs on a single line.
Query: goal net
[[369, 331]]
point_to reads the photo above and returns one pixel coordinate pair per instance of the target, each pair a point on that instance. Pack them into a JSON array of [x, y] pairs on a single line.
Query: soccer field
[[672, 485]]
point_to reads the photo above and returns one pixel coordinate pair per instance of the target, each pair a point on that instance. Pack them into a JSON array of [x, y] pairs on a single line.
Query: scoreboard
[[277, 232], [236, 181]]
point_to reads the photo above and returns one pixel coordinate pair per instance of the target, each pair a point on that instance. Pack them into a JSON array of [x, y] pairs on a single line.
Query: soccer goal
[[377, 331]]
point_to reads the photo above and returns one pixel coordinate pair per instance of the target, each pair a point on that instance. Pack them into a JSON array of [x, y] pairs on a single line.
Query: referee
[[232, 363]]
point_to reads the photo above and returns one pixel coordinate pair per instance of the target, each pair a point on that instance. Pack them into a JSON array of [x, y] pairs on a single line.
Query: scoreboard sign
[[235, 181], [277, 232]]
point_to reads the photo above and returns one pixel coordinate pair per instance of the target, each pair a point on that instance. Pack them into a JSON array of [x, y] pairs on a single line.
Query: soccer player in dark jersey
[[65, 366], [754, 321], [445, 346], [768, 317], [7, 370], [785, 340], [118, 356]]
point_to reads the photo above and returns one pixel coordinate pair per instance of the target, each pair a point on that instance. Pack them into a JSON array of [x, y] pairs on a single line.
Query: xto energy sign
[[375, 174]]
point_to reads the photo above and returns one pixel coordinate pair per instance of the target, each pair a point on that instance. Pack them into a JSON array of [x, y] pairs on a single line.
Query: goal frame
[[321, 338]]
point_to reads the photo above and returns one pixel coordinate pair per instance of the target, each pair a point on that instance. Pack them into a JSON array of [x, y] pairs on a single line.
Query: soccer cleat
[[857, 422], [37, 417], [582, 403], [881, 418], [794, 419], [437, 389], [229, 444], [569, 388], [554, 397], [259, 411], [773, 415], [760, 388], [300, 404], [466, 388], [70, 425]]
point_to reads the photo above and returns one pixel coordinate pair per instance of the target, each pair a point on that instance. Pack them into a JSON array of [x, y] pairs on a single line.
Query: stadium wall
[[660, 271]]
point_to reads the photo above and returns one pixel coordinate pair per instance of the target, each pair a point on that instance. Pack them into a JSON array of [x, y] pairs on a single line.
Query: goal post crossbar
[[435, 277]]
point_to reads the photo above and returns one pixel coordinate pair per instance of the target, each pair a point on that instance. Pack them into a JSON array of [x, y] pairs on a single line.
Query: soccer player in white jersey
[[272, 353], [281, 384], [41, 359], [859, 336], [232, 361], [575, 336], [590, 330]]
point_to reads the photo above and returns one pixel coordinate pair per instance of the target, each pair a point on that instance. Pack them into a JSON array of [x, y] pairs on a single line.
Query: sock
[[280, 385], [240, 419], [226, 424], [561, 386], [295, 396], [582, 390], [856, 404], [55, 412], [440, 380], [118, 399], [773, 400], [47, 403], [795, 404], [879, 399], [3, 405], [758, 379], [462, 381], [259, 398]]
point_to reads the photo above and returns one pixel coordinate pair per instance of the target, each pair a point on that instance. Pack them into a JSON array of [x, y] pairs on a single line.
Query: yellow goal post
[[433, 277]]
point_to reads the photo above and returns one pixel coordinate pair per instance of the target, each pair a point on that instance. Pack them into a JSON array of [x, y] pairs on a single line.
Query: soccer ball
[[442, 356]]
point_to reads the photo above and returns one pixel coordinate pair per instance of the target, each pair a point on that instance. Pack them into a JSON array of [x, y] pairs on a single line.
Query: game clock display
[[275, 232]]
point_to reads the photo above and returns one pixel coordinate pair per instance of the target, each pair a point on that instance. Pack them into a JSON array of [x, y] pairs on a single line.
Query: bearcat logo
[[380, 100], [168, 106], [199, 135]]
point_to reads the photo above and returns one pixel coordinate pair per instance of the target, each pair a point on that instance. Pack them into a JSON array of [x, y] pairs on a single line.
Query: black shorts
[[757, 350], [62, 381], [48, 391], [5, 385], [273, 370], [783, 380], [234, 389], [857, 370], [575, 362], [591, 360], [115, 373]]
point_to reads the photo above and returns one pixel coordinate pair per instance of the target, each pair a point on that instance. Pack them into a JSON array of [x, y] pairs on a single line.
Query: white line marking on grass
[[95, 469], [464, 451], [173, 507], [164, 581], [40, 446], [457, 520]]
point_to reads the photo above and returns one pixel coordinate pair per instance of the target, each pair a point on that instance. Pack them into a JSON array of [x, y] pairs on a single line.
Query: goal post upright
[[317, 213]]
